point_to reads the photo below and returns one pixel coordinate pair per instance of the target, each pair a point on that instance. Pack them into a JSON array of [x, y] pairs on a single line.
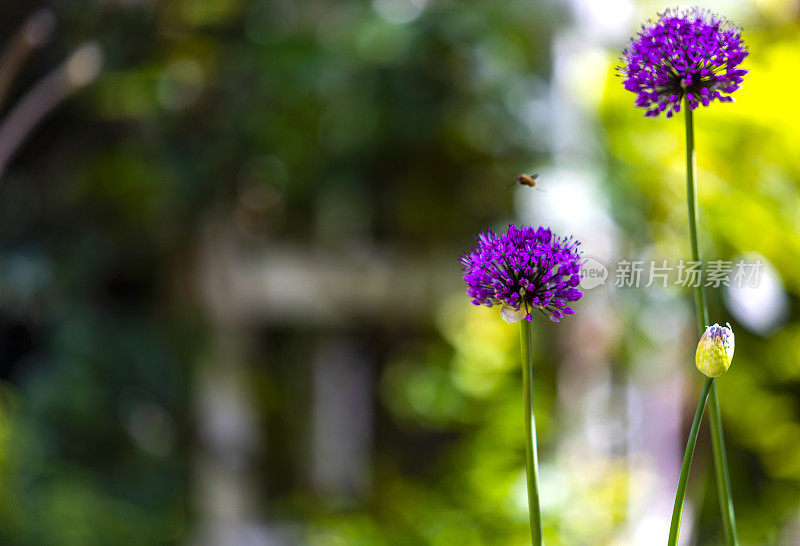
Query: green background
[[336, 157]]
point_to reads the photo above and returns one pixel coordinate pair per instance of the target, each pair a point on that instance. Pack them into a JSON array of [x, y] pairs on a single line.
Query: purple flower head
[[524, 269], [684, 53]]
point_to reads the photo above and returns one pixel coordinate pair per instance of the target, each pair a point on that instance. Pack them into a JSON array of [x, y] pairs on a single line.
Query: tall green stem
[[721, 469], [531, 457], [677, 511], [701, 307]]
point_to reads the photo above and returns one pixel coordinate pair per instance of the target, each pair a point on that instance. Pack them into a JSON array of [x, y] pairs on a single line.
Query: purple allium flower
[[524, 269], [692, 53]]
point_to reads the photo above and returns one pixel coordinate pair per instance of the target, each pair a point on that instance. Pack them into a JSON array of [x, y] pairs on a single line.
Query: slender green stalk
[[701, 307], [721, 469], [677, 511], [694, 221], [531, 457]]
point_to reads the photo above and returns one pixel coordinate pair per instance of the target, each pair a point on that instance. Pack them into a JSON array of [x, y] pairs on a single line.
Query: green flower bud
[[715, 350]]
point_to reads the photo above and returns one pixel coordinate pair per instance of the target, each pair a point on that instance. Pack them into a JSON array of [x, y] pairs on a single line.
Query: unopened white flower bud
[[511, 315]]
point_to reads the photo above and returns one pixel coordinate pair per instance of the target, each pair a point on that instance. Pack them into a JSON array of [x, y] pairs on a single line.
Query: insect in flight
[[527, 180]]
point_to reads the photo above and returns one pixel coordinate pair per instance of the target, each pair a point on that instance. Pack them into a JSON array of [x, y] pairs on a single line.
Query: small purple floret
[[524, 267], [685, 53], [719, 332]]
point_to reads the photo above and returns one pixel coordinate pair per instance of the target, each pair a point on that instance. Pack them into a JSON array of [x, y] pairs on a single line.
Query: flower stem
[[721, 469], [701, 307], [677, 511], [531, 458]]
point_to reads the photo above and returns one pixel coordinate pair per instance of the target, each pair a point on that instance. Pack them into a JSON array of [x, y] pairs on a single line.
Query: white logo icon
[[593, 273]]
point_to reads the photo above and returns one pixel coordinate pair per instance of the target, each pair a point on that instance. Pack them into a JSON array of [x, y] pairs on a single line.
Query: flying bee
[[527, 180]]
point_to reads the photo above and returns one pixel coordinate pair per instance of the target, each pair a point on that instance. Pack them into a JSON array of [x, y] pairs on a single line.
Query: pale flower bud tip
[[511, 315]]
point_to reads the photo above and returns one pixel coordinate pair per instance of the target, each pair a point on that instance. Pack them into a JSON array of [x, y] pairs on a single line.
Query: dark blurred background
[[231, 310]]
